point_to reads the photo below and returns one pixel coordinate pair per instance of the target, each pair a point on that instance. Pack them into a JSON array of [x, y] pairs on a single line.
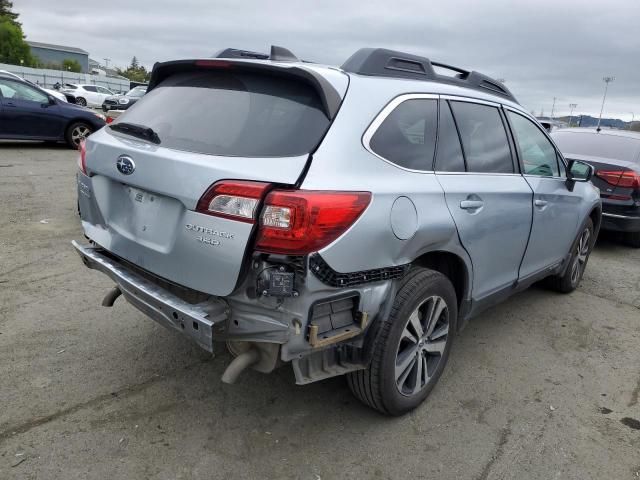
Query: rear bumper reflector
[[196, 321]]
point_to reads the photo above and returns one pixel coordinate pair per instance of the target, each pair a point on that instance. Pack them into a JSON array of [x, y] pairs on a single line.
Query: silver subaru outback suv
[[345, 220]]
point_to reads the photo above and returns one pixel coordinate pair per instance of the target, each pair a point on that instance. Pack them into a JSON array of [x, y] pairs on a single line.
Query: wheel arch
[[456, 269]]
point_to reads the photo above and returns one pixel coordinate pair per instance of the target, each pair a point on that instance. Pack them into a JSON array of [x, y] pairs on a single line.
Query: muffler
[[240, 364], [111, 297]]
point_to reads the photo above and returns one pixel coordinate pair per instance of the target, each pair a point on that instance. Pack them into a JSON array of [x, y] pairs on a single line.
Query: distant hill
[[589, 121]]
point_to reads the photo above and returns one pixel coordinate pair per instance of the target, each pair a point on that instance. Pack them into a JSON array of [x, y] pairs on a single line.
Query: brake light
[[109, 120], [82, 157], [213, 64], [234, 199], [620, 178], [300, 222]]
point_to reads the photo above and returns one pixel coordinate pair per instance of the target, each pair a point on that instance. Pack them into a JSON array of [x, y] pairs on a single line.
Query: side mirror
[[578, 171]]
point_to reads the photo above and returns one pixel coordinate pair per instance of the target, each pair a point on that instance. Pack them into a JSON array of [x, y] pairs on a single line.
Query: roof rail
[[277, 54], [389, 63]]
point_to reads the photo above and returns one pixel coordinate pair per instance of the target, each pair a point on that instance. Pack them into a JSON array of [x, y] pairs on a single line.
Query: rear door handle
[[540, 203], [471, 204]]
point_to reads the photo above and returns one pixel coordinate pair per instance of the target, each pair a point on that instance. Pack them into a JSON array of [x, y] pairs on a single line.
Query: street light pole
[[632, 117], [571, 106], [606, 81], [553, 107]]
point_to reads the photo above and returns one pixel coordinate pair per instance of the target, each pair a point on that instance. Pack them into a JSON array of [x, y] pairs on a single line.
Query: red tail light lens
[[109, 120], [233, 199], [629, 179], [620, 178], [82, 157], [300, 222]]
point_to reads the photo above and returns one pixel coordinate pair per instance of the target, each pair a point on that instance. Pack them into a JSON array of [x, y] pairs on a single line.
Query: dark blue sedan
[[29, 113]]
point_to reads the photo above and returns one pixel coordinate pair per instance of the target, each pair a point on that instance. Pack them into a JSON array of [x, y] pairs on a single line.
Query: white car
[[53, 93], [92, 95]]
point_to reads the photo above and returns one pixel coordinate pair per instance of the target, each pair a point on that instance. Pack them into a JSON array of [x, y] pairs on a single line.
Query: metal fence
[[48, 78]]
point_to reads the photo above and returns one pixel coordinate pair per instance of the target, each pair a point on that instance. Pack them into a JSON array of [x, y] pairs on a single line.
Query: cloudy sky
[[543, 48]]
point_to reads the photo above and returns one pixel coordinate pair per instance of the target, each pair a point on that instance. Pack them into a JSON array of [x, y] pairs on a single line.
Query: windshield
[[598, 145], [233, 114], [136, 92]]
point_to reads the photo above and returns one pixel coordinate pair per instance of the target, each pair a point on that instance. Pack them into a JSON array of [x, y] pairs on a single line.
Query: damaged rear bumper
[[196, 321]]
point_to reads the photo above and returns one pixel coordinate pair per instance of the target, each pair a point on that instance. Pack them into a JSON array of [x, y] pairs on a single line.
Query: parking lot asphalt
[[543, 386]]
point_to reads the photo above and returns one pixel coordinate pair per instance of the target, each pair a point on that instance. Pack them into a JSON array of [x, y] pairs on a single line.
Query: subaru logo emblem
[[125, 165]]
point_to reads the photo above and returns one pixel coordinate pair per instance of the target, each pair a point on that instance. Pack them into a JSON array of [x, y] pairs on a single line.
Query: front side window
[[90, 88], [20, 91], [484, 139], [539, 157], [104, 90], [407, 136]]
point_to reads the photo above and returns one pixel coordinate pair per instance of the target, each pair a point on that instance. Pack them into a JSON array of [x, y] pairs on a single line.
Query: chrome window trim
[[382, 116]]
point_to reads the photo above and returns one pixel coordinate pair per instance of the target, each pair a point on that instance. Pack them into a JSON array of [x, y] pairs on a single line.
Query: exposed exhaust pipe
[[110, 298], [240, 364]]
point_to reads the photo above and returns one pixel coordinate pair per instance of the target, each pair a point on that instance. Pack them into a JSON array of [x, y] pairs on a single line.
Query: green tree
[[71, 65], [7, 13], [135, 71], [13, 48]]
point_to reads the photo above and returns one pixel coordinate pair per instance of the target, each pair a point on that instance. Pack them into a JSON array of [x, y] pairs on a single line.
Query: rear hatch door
[[209, 125]]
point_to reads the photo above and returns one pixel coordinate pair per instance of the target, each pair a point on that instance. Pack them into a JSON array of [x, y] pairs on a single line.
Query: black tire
[[378, 386], [580, 252], [74, 133], [81, 101], [105, 109], [633, 239]]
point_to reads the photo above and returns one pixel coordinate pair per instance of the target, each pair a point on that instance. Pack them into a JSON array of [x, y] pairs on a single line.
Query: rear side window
[[484, 139], [598, 145], [407, 137], [90, 88], [233, 114], [449, 156]]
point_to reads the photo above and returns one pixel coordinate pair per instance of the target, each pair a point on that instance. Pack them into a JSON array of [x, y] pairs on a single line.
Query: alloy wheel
[[582, 253], [422, 345], [79, 133]]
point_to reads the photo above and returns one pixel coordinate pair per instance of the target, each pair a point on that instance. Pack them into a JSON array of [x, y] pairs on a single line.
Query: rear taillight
[[109, 120], [620, 178], [300, 222], [82, 157], [233, 199]]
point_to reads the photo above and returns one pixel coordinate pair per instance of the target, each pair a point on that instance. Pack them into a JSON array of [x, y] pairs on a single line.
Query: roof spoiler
[[277, 54], [329, 96], [389, 63]]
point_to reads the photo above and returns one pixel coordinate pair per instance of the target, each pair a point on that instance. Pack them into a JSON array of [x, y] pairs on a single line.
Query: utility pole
[[606, 81], [106, 62], [553, 107], [632, 117], [571, 106]]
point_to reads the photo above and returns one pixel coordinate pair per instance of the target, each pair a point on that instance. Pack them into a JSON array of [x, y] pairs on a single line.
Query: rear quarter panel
[[343, 163]]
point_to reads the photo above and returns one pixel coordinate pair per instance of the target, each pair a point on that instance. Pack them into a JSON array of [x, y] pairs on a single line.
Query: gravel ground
[[544, 386]]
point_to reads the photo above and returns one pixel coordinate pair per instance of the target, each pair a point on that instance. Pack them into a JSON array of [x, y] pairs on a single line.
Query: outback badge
[[125, 165]]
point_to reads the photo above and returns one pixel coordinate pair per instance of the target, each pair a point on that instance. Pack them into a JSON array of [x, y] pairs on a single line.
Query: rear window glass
[[233, 114], [407, 137], [598, 145]]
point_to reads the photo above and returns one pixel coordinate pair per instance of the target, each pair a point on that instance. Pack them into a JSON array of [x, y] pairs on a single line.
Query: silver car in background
[[345, 220]]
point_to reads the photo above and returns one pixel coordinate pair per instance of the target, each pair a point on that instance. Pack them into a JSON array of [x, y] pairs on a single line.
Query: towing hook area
[[240, 364], [111, 297]]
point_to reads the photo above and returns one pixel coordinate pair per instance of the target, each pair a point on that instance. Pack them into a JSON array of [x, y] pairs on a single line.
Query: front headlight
[[123, 101]]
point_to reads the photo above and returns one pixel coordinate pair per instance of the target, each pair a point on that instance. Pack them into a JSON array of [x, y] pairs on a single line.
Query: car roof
[[594, 131]]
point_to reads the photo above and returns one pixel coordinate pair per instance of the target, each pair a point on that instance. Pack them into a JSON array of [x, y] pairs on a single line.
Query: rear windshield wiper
[[135, 130]]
